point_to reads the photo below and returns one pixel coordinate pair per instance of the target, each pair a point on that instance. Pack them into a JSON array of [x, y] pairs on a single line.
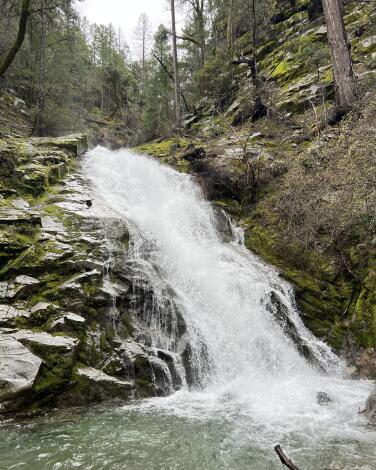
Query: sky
[[125, 13]]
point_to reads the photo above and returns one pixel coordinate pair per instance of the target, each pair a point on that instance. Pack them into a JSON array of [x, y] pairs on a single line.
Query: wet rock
[[172, 362], [44, 343], [280, 312], [193, 153], [155, 372], [370, 410], [68, 322], [18, 367], [323, 398], [9, 315], [103, 386], [12, 216], [365, 363], [118, 366], [161, 376], [19, 288], [21, 204], [190, 119]]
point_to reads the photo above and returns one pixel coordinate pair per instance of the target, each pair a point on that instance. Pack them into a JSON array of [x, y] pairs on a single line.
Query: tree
[[25, 13], [175, 62], [195, 31], [259, 109], [340, 53], [143, 38]]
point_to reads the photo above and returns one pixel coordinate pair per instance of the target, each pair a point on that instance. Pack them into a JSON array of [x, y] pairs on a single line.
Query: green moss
[[90, 288], [106, 339], [323, 294], [126, 328], [165, 150], [144, 388], [55, 374]]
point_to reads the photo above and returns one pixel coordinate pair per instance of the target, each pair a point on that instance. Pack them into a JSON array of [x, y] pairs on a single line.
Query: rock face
[[370, 410], [103, 386], [9, 315], [71, 300], [44, 343], [18, 370]]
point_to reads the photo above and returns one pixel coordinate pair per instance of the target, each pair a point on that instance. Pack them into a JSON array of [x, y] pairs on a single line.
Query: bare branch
[[285, 459], [187, 38]]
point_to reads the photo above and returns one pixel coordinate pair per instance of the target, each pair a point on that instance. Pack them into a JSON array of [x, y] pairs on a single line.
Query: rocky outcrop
[[9, 315], [18, 371], [102, 386], [70, 296]]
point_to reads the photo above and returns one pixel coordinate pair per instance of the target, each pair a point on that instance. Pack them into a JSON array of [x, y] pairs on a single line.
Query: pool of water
[[185, 431]]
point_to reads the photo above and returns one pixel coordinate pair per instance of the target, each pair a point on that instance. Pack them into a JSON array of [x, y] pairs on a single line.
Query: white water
[[257, 377]]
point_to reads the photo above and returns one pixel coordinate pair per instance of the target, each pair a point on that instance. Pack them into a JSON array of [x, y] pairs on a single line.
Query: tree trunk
[[259, 107], [340, 53], [201, 27], [175, 58], [42, 69], [229, 32], [171, 77], [19, 39]]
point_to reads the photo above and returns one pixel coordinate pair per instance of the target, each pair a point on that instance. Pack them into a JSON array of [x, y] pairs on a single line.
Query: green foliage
[[67, 68], [157, 115], [214, 80]]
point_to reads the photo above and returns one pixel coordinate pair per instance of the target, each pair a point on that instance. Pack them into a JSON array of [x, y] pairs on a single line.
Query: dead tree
[[340, 53]]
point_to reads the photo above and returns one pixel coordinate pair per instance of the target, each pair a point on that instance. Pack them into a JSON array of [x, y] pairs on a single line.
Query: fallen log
[[285, 459]]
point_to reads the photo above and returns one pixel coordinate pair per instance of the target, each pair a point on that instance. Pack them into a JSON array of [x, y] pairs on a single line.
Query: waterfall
[[247, 342]]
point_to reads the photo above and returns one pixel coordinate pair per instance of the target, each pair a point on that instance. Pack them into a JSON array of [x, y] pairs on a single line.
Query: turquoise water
[[149, 436], [261, 391]]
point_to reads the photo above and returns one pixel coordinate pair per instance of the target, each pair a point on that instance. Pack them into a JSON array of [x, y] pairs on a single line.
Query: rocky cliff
[[73, 313]]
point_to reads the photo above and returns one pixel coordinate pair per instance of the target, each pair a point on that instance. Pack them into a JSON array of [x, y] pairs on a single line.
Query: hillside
[[302, 188]]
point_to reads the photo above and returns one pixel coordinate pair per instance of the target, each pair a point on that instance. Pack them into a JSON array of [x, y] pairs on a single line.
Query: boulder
[[103, 386], [323, 398], [42, 311], [18, 369], [44, 343], [20, 287], [42, 307], [9, 315], [191, 153], [67, 322]]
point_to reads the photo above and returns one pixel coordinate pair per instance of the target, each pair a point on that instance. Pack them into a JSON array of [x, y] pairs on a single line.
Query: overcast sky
[[125, 13]]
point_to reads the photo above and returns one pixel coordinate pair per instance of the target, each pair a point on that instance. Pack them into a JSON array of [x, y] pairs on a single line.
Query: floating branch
[[285, 459]]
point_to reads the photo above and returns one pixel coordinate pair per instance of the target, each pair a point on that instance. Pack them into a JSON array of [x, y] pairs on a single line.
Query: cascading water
[[222, 289], [214, 321], [253, 358]]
